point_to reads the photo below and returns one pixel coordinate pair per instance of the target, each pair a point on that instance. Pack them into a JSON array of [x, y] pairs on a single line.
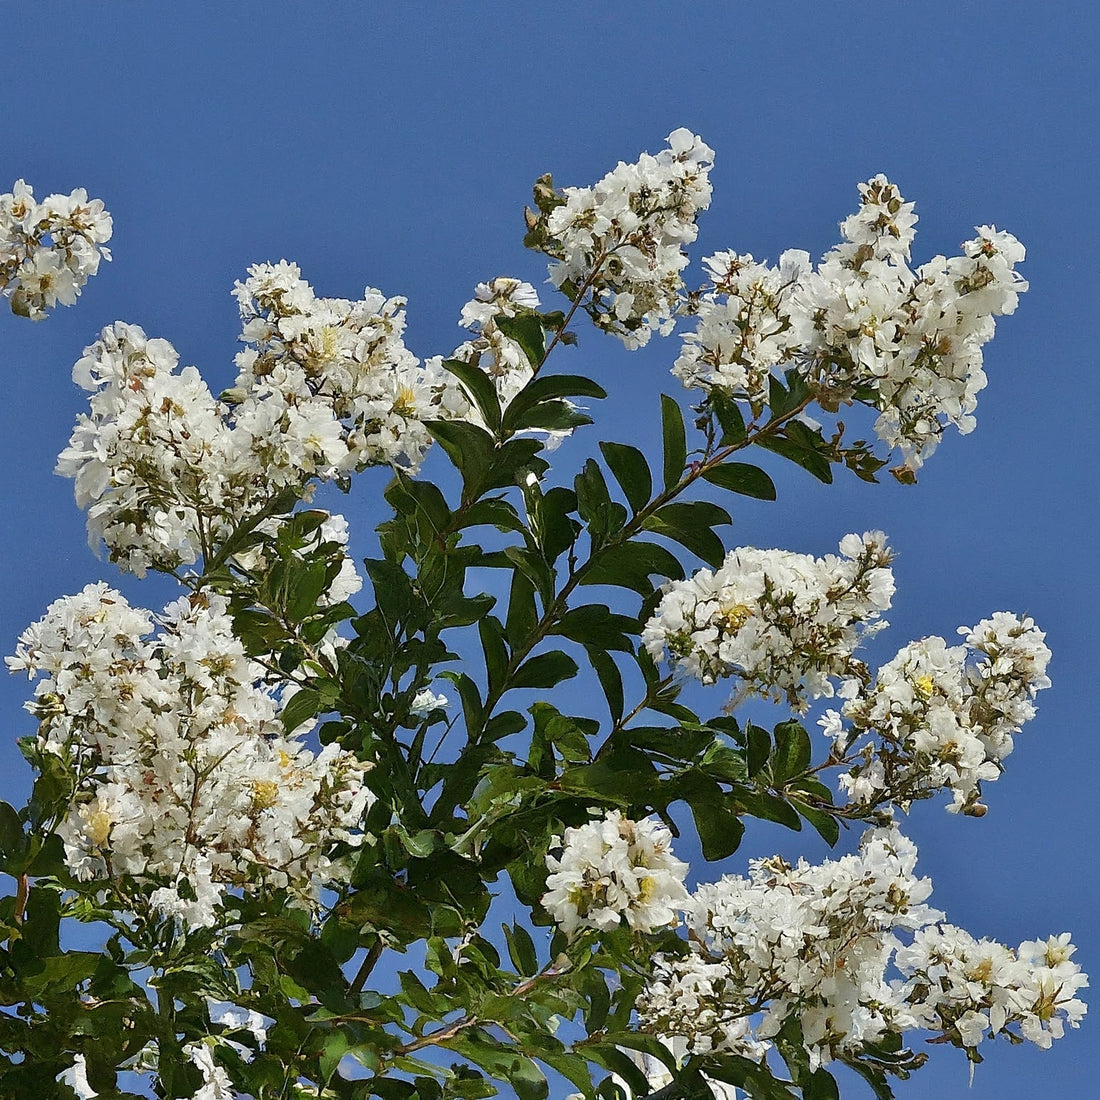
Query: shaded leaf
[[545, 670], [675, 440], [631, 471], [479, 387], [548, 387], [527, 331], [631, 564]]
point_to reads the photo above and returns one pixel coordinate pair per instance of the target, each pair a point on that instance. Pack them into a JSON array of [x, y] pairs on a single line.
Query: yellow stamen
[[265, 793]]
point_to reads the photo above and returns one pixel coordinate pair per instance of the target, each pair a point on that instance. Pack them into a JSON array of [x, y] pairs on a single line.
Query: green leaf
[[568, 734], [548, 387], [420, 498], [473, 710], [720, 829], [559, 529], [307, 580], [521, 949], [874, 1077], [303, 706], [522, 614], [546, 670], [491, 632], [595, 625], [594, 503], [631, 564], [514, 460], [644, 1043], [631, 471], [675, 440], [821, 1086], [729, 417], [690, 524], [336, 1046], [611, 680], [779, 400], [11, 830], [469, 448], [806, 457], [754, 1078], [759, 748], [611, 1058], [491, 511], [826, 825], [526, 330], [479, 387], [743, 478], [769, 807], [42, 922], [723, 762], [792, 752], [504, 724], [558, 416]]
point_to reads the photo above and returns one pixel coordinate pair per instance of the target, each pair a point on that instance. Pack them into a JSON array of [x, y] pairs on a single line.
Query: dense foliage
[[263, 791]]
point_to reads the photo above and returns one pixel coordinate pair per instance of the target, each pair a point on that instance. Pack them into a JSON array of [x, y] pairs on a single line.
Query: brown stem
[[22, 894], [373, 955]]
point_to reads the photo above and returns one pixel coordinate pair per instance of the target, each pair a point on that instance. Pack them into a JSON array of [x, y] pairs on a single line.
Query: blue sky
[[395, 146]]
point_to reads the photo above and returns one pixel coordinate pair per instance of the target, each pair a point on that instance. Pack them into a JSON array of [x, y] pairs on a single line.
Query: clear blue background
[[395, 145]]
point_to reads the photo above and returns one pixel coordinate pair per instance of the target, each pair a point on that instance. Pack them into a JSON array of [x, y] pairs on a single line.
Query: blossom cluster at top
[[326, 387], [942, 717], [501, 357], [614, 869], [167, 473], [824, 942], [49, 249], [184, 778], [861, 325], [620, 242], [785, 624]]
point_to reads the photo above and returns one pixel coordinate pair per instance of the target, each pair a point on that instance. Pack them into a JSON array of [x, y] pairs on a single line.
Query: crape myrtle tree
[[264, 789]]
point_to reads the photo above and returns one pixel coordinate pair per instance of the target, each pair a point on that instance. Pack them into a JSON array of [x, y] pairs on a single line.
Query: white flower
[[786, 624], [49, 250], [623, 238], [185, 780], [942, 717], [424, 702], [216, 1082], [826, 943], [232, 1016], [612, 869], [861, 326], [76, 1077]]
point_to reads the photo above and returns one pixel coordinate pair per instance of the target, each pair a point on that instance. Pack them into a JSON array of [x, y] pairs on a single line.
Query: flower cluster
[[183, 779], [621, 241], [970, 989], [818, 942], [861, 326], [614, 868], [501, 357], [154, 462], [327, 386], [940, 716], [784, 623], [49, 249], [167, 472], [744, 326]]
